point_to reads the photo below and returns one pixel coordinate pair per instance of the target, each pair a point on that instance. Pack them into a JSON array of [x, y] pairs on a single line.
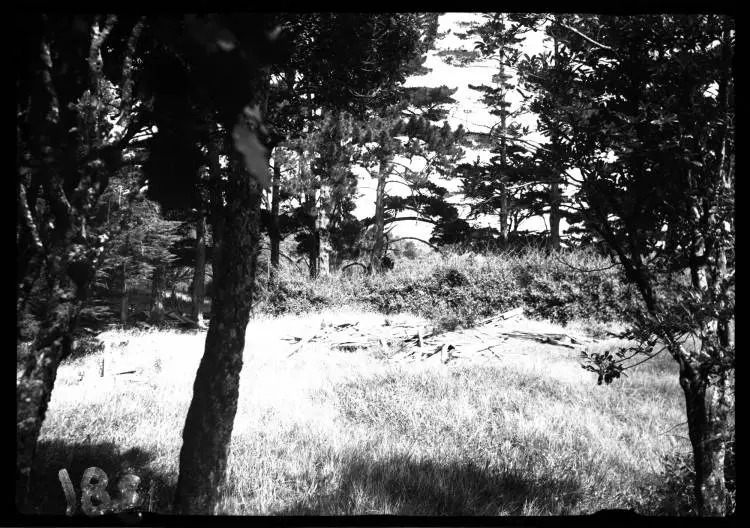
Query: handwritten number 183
[[95, 499]]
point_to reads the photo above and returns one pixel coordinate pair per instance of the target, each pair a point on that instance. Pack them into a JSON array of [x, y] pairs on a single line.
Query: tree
[[406, 144], [645, 112], [510, 185], [232, 59], [327, 186], [363, 60], [75, 115], [139, 237]]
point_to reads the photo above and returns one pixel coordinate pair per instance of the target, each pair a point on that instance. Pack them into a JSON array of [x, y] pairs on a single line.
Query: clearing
[[344, 413]]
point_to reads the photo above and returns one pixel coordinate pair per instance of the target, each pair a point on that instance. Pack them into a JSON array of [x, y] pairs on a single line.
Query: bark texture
[[210, 420], [376, 255], [34, 388], [708, 404]]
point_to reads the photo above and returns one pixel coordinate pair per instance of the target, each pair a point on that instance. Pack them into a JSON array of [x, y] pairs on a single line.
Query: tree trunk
[[504, 217], [335, 261], [554, 216], [52, 344], [158, 285], [504, 198], [376, 256], [124, 301], [274, 232], [314, 255], [314, 249], [322, 224], [67, 257], [199, 278], [324, 252], [210, 419], [554, 189], [708, 399]]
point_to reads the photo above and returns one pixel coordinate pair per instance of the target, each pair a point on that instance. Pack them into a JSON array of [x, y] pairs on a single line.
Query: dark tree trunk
[[376, 256], [314, 254], [554, 189], [274, 232], [52, 344], [554, 216], [64, 258], [210, 420], [314, 248], [504, 198], [708, 404], [199, 278]]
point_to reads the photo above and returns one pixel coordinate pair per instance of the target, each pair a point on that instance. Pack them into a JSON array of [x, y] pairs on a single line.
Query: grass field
[[337, 433]]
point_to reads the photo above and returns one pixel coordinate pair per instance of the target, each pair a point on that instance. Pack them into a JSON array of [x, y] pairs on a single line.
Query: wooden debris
[[496, 319], [404, 342], [302, 343]]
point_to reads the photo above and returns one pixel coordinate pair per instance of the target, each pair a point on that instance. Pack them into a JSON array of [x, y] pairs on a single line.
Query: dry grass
[[335, 433]]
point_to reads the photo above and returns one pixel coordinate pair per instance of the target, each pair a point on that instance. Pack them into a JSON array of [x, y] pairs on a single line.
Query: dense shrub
[[464, 288]]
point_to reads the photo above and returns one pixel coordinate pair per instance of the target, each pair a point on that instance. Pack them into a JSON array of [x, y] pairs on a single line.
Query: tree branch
[[559, 259], [29, 218], [46, 140], [400, 182], [405, 218], [574, 30], [126, 82], [95, 56], [52, 112]]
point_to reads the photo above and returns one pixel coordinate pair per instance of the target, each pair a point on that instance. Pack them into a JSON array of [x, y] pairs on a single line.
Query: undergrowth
[[455, 289]]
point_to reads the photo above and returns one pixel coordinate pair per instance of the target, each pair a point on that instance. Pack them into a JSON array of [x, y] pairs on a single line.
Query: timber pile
[[407, 343], [350, 336]]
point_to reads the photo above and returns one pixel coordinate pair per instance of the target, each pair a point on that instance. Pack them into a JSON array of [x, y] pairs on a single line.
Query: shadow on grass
[[46, 494], [402, 486]]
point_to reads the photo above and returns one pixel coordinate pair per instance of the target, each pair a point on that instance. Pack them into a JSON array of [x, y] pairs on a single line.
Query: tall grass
[[327, 432]]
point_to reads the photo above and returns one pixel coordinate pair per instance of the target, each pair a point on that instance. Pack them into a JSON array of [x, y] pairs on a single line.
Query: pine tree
[[391, 141], [509, 186]]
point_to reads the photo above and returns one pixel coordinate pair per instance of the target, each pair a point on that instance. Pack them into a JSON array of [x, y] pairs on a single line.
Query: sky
[[467, 111]]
